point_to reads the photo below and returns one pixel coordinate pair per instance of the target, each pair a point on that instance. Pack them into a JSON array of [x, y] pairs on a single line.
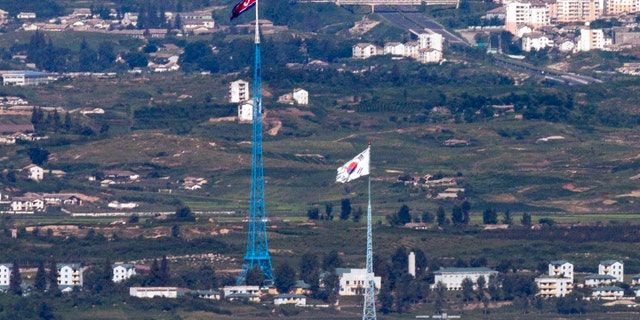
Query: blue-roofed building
[[561, 268], [597, 280], [69, 275], [612, 267], [25, 78], [607, 292]]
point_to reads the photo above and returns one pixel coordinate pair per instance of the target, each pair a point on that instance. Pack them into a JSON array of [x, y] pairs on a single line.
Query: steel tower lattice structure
[[257, 244], [369, 305]]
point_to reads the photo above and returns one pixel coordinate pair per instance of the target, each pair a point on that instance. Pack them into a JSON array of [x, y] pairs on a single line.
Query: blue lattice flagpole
[[369, 306], [257, 244]]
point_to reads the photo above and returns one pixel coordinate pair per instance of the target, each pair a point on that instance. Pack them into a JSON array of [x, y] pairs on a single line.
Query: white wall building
[[123, 271], [533, 14], [553, 286], [394, 48], [578, 10], [229, 290], [24, 78], [152, 292], [5, 275], [431, 40], [591, 39], [535, 41], [294, 299], [561, 268], [365, 50], [607, 292], [301, 96], [27, 204], [452, 278], [245, 111], [613, 268], [597, 280], [34, 172], [69, 275], [429, 55], [239, 91], [353, 281]]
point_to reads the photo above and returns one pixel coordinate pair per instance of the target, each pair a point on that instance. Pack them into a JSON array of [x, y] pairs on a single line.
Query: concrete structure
[[365, 50], [26, 204], [239, 91], [412, 264], [69, 275], [207, 294], [34, 172], [352, 281], [597, 280], [5, 275], [618, 7], [229, 290], [578, 10], [561, 268], [394, 48], [245, 111], [24, 78], [295, 299], [429, 55], [532, 14], [607, 292], [613, 268], [122, 271], [591, 39], [452, 278], [431, 40], [152, 292], [301, 96], [553, 286], [535, 41]]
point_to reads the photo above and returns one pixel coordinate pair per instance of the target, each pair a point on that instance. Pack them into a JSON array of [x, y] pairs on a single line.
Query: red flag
[[241, 7]]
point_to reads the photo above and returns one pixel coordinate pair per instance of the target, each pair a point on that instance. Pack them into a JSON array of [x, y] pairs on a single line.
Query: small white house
[[353, 281], [301, 96], [607, 292], [123, 271], [294, 299], [245, 111], [34, 172], [69, 275], [612, 267]]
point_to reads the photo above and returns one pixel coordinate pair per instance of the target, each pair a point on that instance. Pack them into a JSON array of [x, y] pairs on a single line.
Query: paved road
[[408, 18]]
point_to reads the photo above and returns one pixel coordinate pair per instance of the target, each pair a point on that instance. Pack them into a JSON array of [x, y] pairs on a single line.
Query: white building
[[152, 292], [34, 172], [561, 268], [239, 91], [431, 40], [245, 111], [452, 278], [301, 96], [597, 280], [69, 275], [353, 281], [294, 299], [553, 286], [411, 49], [617, 7], [591, 39], [230, 290], [535, 41], [533, 14], [26, 204], [394, 48], [365, 50], [26, 15], [122, 271], [429, 55], [607, 292], [25, 78], [5, 275], [613, 268]]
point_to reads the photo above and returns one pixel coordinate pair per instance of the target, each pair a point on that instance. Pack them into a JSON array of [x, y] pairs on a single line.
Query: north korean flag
[[241, 7]]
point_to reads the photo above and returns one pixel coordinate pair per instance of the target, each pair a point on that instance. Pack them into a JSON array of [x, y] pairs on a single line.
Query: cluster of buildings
[[535, 21], [560, 280], [37, 202], [70, 275], [240, 92], [428, 48]]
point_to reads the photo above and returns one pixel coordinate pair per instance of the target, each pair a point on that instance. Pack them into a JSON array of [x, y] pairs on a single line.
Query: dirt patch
[[277, 125]]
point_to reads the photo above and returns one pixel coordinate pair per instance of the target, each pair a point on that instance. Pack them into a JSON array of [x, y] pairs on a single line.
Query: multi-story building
[[597, 280], [431, 40], [69, 275], [534, 14], [5, 275], [561, 268], [365, 50], [578, 10], [613, 268], [123, 271], [239, 91], [617, 7], [301, 96], [535, 41], [452, 278], [607, 292], [353, 281], [591, 39], [553, 286]]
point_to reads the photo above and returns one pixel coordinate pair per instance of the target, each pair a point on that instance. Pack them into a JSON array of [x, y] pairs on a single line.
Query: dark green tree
[[38, 156], [175, 231], [254, 276], [40, 280], [386, 299], [441, 216], [526, 219], [331, 261], [309, 267], [404, 215], [457, 217], [357, 214], [285, 277], [328, 210], [15, 282], [313, 214], [53, 277], [490, 216], [345, 211], [467, 289], [183, 213], [506, 219]]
